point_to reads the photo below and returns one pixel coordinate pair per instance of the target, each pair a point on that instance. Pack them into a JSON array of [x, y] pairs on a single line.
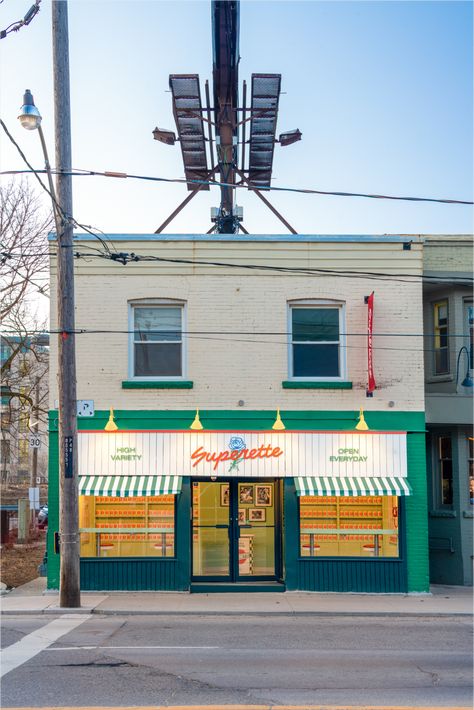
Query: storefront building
[[449, 371], [248, 497]]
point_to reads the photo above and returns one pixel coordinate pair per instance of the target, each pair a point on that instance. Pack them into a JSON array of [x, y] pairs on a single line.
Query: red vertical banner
[[371, 386]]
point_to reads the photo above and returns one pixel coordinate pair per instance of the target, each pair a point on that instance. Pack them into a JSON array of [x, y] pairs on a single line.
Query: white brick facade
[[225, 369]]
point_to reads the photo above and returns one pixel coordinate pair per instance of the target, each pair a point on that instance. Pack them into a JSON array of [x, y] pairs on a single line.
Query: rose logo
[[236, 443]]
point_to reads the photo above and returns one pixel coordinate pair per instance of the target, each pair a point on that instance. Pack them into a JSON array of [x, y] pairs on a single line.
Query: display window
[[343, 526], [127, 527]]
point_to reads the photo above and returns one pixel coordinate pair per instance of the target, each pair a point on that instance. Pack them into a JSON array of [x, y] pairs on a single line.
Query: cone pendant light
[[111, 425], [278, 425], [361, 424], [196, 425]]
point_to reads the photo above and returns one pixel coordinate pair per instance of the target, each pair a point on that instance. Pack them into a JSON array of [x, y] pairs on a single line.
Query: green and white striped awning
[[129, 486], [359, 486]]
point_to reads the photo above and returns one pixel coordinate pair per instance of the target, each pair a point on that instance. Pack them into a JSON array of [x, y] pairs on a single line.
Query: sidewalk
[[32, 598]]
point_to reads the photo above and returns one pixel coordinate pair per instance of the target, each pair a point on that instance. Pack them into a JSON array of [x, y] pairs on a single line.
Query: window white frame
[[152, 303], [438, 335], [319, 303]]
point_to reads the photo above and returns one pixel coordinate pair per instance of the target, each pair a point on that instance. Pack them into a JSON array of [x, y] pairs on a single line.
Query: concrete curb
[[57, 611]]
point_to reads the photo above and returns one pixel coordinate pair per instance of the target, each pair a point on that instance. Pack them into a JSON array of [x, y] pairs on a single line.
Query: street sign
[[35, 441], [34, 496], [85, 407], [68, 456]]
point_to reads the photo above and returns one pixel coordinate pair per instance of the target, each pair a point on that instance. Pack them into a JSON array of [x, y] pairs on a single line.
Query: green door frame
[[234, 533]]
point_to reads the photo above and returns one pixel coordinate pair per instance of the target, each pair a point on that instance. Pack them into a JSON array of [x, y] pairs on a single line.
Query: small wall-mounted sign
[[35, 441], [84, 407]]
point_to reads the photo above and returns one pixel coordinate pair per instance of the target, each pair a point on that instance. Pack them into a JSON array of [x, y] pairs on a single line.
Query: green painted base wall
[[409, 574]]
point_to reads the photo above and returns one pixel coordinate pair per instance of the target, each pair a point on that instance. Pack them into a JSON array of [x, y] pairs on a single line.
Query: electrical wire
[[64, 218], [15, 26], [78, 172], [199, 333], [125, 258]]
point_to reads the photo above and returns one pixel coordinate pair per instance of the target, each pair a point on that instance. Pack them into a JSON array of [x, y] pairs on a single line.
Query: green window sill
[[468, 513], [315, 385], [157, 385]]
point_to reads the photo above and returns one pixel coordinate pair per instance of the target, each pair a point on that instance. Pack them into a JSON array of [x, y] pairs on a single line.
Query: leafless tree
[[24, 226], [25, 345]]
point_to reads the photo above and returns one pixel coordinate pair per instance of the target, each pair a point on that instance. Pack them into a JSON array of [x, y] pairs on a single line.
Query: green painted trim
[[157, 385], [442, 514], [291, 542], [313, 385], [255, 420], [416, 516]]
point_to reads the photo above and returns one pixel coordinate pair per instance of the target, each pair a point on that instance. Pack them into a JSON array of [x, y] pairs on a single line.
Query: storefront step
[[212, 587]]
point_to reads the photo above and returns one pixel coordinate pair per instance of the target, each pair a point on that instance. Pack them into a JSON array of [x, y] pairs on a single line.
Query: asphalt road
[[147, 660]]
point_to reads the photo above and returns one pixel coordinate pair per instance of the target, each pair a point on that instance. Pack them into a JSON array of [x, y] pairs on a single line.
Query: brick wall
[[251, 367]]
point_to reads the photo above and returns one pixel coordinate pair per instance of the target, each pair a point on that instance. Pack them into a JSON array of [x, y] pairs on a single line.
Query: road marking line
[[22, 651], [254, 707], [131, 648]]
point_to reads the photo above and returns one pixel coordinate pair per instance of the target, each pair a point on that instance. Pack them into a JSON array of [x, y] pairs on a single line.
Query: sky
[[382, 92]]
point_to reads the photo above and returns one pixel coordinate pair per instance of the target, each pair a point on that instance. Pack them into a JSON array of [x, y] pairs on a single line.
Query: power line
[[215, 183], [125, 258], [66, 219], [15, 26]]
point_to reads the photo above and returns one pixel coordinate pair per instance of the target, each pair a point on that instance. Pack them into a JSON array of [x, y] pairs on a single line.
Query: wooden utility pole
[[69, 584]]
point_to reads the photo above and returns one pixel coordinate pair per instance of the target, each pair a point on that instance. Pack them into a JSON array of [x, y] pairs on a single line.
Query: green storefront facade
[[297, 567]]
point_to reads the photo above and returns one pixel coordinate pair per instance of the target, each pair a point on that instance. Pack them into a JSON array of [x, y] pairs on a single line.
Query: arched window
[[317, 340]]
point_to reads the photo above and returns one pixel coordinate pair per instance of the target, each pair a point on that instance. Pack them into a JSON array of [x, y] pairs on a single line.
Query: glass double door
[[235, 530]]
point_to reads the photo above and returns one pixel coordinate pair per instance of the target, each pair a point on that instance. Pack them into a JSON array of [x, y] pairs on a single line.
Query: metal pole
[[69, 582], [266, 202]]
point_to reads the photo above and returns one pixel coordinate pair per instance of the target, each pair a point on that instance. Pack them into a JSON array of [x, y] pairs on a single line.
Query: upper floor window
[[441, 338], [316, 343], [157, 340]]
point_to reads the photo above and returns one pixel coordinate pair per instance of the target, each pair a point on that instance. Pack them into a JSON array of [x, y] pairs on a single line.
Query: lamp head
[[467, 381], [164, 136], [30, 117], [289, 137]]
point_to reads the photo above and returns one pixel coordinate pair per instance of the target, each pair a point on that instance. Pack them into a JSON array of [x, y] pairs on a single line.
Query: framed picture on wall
[[257, 515], [225, 495], [242, 516], [245, 494], [263, 495]]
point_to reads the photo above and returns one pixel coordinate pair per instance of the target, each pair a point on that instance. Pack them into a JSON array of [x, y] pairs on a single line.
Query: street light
[[30, 118], [289, 137], [467, 381]]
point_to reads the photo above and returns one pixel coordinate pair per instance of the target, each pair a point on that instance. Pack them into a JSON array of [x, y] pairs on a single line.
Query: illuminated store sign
[[243, 454]]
